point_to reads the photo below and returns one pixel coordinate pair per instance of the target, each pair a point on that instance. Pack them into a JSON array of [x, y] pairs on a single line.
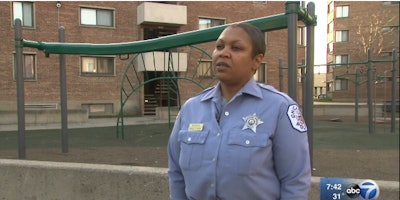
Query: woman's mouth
[[221, 65]]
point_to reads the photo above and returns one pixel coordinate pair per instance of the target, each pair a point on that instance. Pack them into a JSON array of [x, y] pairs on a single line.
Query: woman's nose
[[224, 52]]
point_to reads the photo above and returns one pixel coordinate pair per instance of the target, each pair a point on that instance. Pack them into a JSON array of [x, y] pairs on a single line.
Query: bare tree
[[372, 34]]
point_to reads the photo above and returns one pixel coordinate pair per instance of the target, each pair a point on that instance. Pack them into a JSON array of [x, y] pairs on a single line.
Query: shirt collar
[[251, 88]]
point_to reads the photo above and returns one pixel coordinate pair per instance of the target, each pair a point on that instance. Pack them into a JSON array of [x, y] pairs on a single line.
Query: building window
[[390, 79], [330, 27], [260, 2], [329, 87], [390, 28], [97, 17], [386, 53], [329, 68], [341, 84], [386, 29], [341, 59], [301, 36], [342, 11], [205, 68], [97, 65], [299, 75], [331, 7], [99, 108], [385, 79], [151, 32], [330, 48], [388, 3], [28, 65], [266, 38], [342, 36], [260, 75], [208, 22], [23, 11]]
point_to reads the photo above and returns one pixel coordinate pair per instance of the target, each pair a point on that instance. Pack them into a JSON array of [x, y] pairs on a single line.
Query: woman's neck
[[229, 91]]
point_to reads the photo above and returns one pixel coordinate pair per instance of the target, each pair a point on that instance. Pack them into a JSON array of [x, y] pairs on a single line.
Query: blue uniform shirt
[[253, 147]]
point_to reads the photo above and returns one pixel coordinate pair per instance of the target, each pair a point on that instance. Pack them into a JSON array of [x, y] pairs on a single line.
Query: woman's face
[[233, 61]]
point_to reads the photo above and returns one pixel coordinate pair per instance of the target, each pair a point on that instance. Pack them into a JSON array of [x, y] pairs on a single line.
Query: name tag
[[196, 127]]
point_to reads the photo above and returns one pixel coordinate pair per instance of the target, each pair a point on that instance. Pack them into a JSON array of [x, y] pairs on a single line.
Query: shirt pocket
[[246, 139], [245, 149], [192, 148]]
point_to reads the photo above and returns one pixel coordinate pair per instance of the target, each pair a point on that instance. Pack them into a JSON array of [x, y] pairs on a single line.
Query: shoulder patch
[[296, 118]]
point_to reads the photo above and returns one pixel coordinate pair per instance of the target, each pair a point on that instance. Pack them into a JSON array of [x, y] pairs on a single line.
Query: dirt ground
[[345, 151]]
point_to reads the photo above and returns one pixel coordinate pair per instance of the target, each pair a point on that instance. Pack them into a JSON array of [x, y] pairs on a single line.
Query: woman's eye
[[236, 48]]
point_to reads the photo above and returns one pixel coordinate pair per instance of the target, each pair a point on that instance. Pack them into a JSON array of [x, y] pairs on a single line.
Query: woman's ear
[[257, 61]]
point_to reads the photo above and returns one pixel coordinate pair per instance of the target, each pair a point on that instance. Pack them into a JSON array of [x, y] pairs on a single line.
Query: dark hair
[[257, 37]]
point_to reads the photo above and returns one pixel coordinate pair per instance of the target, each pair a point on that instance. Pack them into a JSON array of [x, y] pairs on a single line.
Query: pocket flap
[[247, 139], [193, 137]]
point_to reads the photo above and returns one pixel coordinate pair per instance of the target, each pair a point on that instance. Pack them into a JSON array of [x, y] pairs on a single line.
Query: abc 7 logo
[[367, 189]]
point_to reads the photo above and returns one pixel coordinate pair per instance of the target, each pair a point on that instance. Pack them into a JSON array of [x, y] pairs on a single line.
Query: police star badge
[[251, 122], [296, 118]]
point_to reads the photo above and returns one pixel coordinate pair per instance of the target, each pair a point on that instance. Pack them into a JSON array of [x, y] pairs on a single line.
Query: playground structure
[[141, 49], [371, 82]]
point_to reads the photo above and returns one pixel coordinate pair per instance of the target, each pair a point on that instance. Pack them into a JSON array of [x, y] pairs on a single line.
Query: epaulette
[[274, 90], [267, 87]]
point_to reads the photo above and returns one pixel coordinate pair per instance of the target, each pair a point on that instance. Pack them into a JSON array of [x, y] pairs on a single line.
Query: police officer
[[239, 140]]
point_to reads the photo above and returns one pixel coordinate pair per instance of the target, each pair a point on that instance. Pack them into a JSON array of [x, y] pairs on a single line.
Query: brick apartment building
[[353, 26], [93, 82]]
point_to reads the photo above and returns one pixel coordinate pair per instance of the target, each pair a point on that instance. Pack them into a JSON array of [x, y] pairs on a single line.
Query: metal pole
[[63, 95], [20, 89], [303, 83], [292, 8], [393, 110], [280, 75], [356, 95], [309, 100], [369, 93]]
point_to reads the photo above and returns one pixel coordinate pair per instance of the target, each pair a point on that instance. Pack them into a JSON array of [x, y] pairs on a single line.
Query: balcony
[[159, 61], [331, 16], [330, 37], [160, 13]]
